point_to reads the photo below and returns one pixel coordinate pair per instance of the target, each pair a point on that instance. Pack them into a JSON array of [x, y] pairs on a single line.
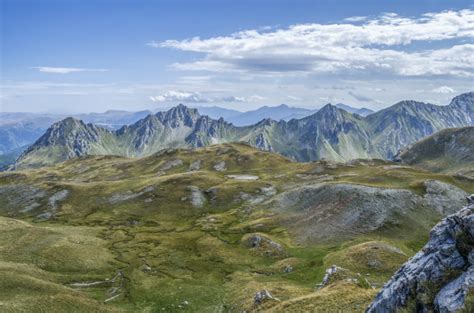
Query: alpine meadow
[[237, 156]]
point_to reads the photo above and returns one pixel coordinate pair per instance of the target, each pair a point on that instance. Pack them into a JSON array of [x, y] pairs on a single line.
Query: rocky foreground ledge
[[439, 278]]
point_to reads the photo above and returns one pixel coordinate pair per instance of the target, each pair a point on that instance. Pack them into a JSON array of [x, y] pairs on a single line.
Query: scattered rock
[[262, 296], [330, 273], [195, 165], [220, 166], [288, 269], [212, 193], [129, 195], [171, 164], [268, 191], [263, 244], [197, 197]]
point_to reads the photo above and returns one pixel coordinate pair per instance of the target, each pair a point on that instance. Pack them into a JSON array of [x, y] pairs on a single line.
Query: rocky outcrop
[[439, 277], [263, 296]]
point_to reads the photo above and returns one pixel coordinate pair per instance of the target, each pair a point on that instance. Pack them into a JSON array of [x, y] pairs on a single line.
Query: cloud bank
[[196, 97], [66, 70], [383, 45]]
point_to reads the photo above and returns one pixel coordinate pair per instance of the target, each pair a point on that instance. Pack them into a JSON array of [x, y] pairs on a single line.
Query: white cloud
[[356, 19], [66, 70], [443, 89], [196, 97], [377, 45]]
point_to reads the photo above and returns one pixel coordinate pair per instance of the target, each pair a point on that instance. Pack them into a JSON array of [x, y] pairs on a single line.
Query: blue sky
[[82, 56]]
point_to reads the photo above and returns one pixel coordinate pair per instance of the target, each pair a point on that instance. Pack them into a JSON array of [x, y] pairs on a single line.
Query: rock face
[[439, 277], [331, 133]]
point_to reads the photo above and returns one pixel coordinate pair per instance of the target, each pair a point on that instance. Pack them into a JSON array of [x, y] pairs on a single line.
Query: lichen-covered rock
[[262, 296], [263, 245], [220, 166], [197, 197], [440, 276]]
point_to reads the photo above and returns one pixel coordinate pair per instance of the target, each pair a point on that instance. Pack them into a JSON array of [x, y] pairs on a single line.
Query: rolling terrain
[[449, 151], [331, 133], [225, 227]]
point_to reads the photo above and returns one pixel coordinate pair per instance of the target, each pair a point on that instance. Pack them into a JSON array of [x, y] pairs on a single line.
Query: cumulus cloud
[[66, 70], [443, 89], [376, 45], [196, 97]]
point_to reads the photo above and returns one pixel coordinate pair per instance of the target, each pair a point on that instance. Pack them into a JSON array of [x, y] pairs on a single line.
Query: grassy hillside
[[450, 151], [205, 230]]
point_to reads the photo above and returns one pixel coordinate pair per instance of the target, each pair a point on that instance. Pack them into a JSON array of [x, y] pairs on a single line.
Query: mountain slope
[[408, 121], [449, 150], [209, 228]]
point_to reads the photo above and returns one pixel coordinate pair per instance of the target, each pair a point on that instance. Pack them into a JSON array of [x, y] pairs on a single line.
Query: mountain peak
[[179, 115], [329, 108]]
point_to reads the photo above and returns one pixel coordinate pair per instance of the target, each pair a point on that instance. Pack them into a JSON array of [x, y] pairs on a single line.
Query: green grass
[[128, 215]]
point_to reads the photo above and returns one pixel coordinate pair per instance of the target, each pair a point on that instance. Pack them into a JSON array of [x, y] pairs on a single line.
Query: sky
[[74, 56]]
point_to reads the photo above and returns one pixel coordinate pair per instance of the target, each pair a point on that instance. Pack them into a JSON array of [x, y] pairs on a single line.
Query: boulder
[[440, 276]]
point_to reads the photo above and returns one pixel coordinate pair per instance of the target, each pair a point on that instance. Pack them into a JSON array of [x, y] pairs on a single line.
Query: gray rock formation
[[440, 276], [262, 296], [197, 197]]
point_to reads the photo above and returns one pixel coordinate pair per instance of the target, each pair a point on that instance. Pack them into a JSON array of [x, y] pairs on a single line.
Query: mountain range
[[18, 130], [330, 133], [277, 113]]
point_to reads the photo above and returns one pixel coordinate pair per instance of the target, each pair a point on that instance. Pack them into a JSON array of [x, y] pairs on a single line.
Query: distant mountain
[[113, 119], [449, 150], [19, 130], [216, 112], [409, 121], [330, 133], [360, 111], [281, 112]]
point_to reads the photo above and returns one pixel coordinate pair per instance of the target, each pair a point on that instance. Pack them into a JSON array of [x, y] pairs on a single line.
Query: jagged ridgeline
[[331, 133]]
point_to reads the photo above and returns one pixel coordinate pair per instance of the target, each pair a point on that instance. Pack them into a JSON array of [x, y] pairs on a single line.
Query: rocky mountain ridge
[[331, 133]]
